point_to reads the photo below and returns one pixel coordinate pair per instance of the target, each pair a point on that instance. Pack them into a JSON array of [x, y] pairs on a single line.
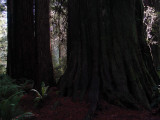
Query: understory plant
[[7, 87], [60, 68], [10, 95], [156, 96], [40, 94], [9, 108], [158, 72]]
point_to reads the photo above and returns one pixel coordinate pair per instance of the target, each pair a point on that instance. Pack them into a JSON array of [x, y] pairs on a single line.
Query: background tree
[[58, 35], [3, 37], [2, 6], [152, 23], [58, 19], [107, 53]]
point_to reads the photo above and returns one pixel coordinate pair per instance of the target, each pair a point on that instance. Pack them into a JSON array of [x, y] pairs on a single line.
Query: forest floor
[[63, 108]]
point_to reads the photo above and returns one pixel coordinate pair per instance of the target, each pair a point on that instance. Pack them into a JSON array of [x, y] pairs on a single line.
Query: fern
[[7, 87], [40, 97], [9, 108], [10, 95]]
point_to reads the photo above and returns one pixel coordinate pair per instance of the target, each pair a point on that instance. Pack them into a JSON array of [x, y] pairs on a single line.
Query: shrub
[[40, 94], [10, 95]]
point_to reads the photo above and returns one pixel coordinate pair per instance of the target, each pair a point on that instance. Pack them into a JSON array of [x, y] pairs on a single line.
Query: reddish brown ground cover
[[63, 108]]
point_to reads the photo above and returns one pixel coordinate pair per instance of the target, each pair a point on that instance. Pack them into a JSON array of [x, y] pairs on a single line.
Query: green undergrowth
[[156, 94], [40, 95], [10, 95], [158, 73], [59, 69]]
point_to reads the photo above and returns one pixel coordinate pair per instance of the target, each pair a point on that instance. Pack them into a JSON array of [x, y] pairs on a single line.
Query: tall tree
[[29, 41], [152, 21], [42, 33], [107, 53], [156, 34], [21, 43]]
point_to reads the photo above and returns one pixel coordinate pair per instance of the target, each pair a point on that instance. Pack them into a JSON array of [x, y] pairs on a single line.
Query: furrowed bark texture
[[107, 53], [21, 43], [29, 41], [42, 32]]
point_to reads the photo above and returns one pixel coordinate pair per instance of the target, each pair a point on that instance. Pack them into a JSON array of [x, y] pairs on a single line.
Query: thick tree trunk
[[29, 41], [21, 43], [42, 32], [107, 53]]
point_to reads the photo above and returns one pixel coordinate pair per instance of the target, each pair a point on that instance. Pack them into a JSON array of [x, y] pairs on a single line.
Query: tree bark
[[21, 43], [42, 32], [107, 53], [29, 41]]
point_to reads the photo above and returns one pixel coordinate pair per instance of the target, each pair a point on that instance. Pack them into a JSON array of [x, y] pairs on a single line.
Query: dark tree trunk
[[42, 32], [149, 2], [21, 43], [29, 41], [157, 5], [107, 53], [155, 49]]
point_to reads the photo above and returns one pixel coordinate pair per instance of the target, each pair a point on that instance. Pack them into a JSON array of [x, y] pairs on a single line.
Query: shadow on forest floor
[[62, 108]]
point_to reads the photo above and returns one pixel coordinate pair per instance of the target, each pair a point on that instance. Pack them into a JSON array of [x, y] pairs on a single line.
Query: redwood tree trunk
[[29, 41], [42, 32], [21, 43], [107, 53]]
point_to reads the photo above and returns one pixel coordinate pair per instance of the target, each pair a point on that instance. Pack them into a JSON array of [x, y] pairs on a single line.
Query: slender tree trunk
[[156, 48], [42, 31], [154, 41], [107, 53], [62, 51], [21, 43]]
